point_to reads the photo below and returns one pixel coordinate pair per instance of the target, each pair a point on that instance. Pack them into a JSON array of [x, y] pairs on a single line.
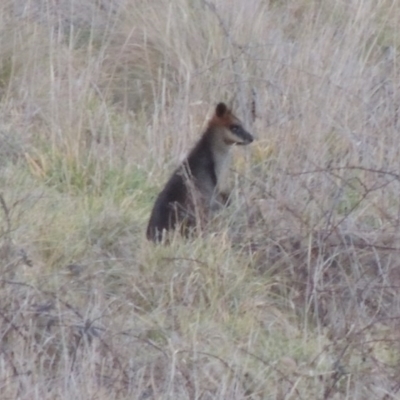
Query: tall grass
[[291, 292]]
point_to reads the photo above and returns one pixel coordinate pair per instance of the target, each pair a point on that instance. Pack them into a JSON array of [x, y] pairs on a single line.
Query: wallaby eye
[[235, 128]]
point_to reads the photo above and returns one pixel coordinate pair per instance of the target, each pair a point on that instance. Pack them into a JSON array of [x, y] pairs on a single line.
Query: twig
[[6, 214]]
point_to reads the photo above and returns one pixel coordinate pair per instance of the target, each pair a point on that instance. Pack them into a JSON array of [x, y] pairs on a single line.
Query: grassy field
[[291, 292]]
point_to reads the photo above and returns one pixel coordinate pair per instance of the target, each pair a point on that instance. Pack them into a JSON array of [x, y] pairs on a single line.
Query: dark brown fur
[[189, 193]]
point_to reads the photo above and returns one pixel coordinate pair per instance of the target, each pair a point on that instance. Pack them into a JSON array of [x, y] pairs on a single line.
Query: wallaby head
[[229, 127]]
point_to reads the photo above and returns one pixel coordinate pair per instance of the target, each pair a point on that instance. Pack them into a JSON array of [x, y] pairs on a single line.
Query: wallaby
[[196, 187]]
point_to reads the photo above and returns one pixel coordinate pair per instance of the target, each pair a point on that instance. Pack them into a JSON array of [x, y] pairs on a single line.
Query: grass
[[291, 292]]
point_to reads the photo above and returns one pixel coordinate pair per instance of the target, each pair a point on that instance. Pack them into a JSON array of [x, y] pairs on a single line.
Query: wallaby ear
[[220, 110]]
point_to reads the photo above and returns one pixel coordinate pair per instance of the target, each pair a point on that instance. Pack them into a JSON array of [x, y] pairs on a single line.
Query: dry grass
[[292, 293]]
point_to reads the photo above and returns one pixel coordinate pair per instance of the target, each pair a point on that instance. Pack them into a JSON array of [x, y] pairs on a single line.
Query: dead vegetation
[[291, 292]]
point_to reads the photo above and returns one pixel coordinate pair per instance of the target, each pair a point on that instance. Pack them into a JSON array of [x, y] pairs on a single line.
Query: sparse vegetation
[[291, 293]]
